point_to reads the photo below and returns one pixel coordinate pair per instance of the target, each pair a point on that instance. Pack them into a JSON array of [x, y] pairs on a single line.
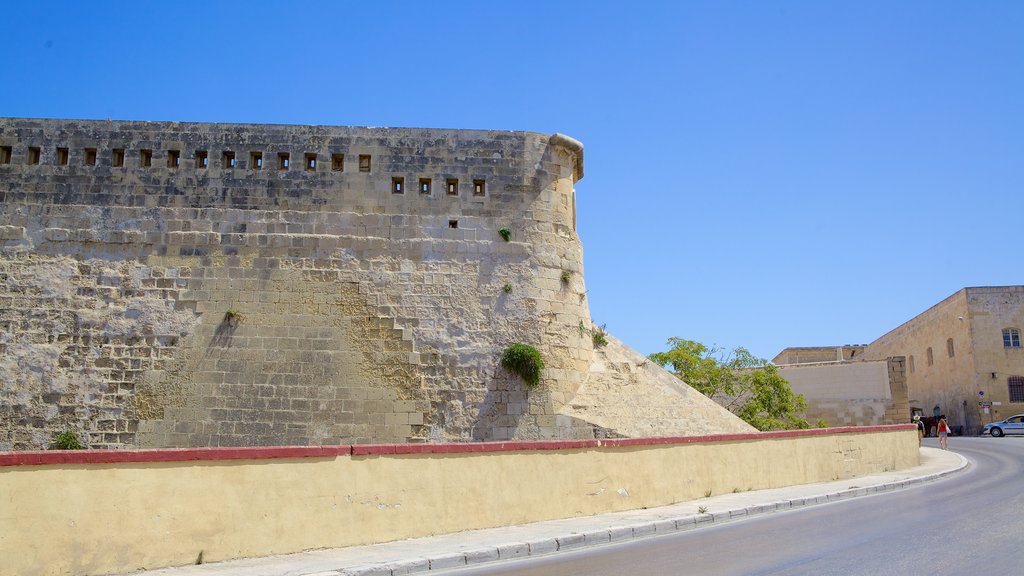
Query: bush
[[67, 441], [525, 361], [506, 234], [599, 337]]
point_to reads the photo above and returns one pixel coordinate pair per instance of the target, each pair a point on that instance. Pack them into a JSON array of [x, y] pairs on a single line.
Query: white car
[[1012, 425]]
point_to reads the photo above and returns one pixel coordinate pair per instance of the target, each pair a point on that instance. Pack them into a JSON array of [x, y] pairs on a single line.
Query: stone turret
[[178, 284]]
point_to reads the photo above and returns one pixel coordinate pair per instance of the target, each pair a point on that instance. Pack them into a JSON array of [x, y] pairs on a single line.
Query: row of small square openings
[[256, 162], [202, 158], [451, 186]]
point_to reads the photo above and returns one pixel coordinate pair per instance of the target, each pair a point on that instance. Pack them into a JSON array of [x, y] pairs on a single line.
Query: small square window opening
[[311, 162], [256, 160], [453, 223], [34, 154], [424, 185], [90, 156], [479, 188], [283, 159], [5, 154], [452, 186], [117, 157], [397, 185], [202, 159], [228, 159], [338, 162], [173, 158], [62, 156], [364, 162], [146, 157]]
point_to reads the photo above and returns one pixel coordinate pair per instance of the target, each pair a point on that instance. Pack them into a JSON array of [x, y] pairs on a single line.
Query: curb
[[575, 540]]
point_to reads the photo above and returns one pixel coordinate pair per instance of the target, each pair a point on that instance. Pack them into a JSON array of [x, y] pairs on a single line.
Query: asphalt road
[[971, 523]]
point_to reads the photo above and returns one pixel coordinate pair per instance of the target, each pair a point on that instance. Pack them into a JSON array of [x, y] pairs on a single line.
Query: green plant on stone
[[599, 336], [566, 276], [505, 234], [702, 509], [507, 288], [525, 361], [67, 440], [707, 493], [233, 317]]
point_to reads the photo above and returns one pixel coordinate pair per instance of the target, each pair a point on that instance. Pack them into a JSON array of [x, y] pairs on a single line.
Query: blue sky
[[761, 174]]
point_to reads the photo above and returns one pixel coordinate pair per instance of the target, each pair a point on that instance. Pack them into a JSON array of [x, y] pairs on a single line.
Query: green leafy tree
[[748, 386]]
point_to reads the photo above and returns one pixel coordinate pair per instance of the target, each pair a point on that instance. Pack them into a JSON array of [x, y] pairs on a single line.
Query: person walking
[[943, 433], [920, 428]]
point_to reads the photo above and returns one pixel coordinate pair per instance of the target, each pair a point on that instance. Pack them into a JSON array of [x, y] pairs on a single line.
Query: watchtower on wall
[[177, 284]]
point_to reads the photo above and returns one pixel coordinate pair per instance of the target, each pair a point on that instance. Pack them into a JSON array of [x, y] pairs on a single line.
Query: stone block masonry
[[185, 285]]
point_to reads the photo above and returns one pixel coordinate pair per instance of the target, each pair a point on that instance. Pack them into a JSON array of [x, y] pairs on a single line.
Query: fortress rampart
[[175, 284]]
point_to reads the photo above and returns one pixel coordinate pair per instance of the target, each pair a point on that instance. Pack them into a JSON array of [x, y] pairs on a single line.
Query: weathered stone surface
[[159, 293]]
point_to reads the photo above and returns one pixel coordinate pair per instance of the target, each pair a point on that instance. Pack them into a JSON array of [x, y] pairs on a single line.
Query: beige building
[[850, 392], [962, 354], [963, 359]]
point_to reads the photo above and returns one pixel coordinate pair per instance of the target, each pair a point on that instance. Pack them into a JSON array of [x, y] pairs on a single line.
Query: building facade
[[963, 358]]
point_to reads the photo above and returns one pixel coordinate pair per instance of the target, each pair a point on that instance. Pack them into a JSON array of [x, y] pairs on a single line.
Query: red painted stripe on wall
[[65, 457]]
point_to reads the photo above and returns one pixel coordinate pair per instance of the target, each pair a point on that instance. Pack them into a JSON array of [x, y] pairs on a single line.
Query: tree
[[748, 386]]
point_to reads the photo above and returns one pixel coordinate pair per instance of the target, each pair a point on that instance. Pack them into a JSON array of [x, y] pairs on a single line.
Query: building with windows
[[963, 357]]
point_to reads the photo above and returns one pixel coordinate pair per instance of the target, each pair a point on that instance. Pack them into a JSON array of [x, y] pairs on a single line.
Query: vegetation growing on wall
[[67, 440], [505, 234], [525, 361], [747, 386]]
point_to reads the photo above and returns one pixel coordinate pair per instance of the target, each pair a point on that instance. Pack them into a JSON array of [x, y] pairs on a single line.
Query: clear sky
[[761, 173]]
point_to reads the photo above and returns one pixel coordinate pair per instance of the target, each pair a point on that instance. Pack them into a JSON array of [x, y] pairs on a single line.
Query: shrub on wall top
[[525, 361]]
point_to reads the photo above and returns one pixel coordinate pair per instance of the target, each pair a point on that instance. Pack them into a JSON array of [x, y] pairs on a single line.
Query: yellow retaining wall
[[117, 517]]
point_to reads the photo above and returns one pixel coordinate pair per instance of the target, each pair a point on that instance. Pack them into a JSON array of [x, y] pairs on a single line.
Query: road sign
[[985, 405]]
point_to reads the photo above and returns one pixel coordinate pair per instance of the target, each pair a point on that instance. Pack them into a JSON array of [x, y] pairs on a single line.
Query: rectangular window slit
[[338, 162], [396, 185], [202, 159], [452, 185], [34, 154], [5, 154], [256, 160], [311, 162], [228, 159], [62, 156], [146, 157], [479, 188], [283, 158], [90, 156], [117, 157], [424, 185], [364, 162], [173, 158]]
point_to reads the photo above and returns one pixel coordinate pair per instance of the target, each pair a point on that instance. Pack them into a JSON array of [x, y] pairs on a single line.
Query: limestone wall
[[75, 516], [852, 393], [172, 284]]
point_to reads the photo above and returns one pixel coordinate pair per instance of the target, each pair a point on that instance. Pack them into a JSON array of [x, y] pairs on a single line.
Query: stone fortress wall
[[174, 284]]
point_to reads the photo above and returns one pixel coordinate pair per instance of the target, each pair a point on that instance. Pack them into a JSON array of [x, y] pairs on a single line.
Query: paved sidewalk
[[476, 546]]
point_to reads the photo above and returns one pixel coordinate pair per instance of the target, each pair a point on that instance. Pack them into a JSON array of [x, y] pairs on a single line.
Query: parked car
[[1012, 425]]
